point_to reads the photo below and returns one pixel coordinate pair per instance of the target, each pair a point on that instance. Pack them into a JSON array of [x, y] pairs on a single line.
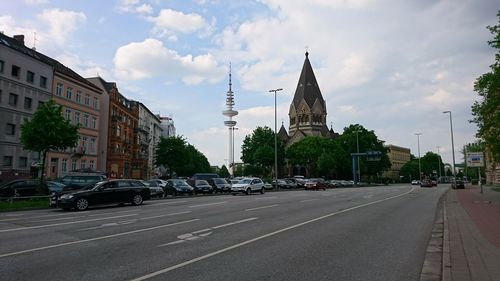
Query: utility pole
[[275, 136]]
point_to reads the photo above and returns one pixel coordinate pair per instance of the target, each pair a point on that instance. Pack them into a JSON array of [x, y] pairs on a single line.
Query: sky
[[392, 66]]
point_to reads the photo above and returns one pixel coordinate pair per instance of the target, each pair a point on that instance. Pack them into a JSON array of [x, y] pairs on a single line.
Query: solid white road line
[[263, 207], [63, 223], [166, 203], [208, 204], [165, 270], [95, 239], [309, 200]]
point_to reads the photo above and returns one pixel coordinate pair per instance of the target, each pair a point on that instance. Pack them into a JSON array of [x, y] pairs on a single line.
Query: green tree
[[258, 149], [223, 172], [486, 112], [409, 171], [195, 162], [317, 154], [48, 130], [171, 152]]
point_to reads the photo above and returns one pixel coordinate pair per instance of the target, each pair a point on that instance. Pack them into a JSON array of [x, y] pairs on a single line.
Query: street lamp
[[275, 135], [452, 145], [232, 154], [357, 146], [419, 165]]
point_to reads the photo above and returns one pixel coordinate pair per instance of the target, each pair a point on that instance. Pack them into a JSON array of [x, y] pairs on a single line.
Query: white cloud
[[144, 9], [83, 67], [150, 58], [61, 23], [36, 2], [170, 21]]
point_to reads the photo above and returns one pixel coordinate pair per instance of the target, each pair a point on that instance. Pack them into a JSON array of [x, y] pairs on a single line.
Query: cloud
[[134, 6], [36, 2], [150, 58], [61, 23], [84, 68], [169, 21]]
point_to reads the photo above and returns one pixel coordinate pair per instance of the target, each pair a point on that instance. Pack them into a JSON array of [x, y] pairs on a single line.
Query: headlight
[[67, 196]]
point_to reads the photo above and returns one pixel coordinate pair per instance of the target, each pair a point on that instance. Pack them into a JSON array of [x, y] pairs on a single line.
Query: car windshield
[[220, 181], [180, 183], [245, 181]]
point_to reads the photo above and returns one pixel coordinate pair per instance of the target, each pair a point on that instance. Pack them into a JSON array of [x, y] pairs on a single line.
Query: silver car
[[248, 185]]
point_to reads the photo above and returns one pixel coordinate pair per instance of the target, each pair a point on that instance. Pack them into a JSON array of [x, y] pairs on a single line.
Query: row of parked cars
[[309, 184]]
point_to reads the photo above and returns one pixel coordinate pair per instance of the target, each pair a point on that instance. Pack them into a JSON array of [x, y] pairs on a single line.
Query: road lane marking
[[263, 207], [204, 232], [166, 203], [309, 200], [132, 221], [165, 270], [44, 216], [266, 198], [63, 223], [208, 204], [95, 238]]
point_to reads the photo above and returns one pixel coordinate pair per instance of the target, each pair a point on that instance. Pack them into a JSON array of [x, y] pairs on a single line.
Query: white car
[[248, 185]]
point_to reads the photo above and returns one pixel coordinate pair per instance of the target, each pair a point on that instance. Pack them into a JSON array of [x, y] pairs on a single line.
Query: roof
[[58, 67], [307, 87], [282, 133], [108, 86]]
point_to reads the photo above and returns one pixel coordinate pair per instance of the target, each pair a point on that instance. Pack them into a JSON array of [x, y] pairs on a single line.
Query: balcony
[[78, 151]]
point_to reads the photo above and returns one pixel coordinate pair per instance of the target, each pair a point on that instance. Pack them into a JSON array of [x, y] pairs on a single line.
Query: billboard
[[475, 159]]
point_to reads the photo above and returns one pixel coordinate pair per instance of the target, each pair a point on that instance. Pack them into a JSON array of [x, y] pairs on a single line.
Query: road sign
[[475, 159], [373, 155]]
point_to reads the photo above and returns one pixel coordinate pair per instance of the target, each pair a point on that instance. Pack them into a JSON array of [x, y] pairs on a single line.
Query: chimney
[[19, 38]]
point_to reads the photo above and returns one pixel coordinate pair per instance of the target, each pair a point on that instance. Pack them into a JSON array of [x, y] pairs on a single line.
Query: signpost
[[476, 159], [370, 156]]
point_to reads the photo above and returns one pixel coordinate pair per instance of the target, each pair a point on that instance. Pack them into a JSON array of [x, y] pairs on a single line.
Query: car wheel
[[262, 191], [137, 200], [81, 204], [249, 191]]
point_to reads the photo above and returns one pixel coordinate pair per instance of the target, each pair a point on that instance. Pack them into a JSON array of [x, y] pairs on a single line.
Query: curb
[[446, 269]]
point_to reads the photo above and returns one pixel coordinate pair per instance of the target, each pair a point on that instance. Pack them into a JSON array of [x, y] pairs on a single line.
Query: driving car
[[458, 184], [119, 191], [202, 186], [426, 183], [248, 186], [315, 184], [178, 186]]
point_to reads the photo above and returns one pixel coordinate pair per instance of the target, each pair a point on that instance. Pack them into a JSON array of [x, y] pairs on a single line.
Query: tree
[[258, 149], [486, 113], [409, 171], [317, 154], [223, 172], [195, 162], [48, 130], [171, 152]]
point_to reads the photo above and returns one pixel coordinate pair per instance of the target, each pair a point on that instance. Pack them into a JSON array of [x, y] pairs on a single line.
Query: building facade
[[168, 127], [398, 156], [80, 105], [25, 83], [148, 133]]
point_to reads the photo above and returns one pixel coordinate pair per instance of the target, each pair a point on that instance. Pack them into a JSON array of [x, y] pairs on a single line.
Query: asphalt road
[[371, 233]]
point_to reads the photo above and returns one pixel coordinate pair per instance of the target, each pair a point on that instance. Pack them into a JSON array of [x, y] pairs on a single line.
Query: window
[[118, 131], [27, 103], [94, 123], [91, 165], [16, 71], [83, 163], [30, 76], [64, 165], [77, 117], [78, 97], [96, 103], [7, 161], [69, 92], [23, 162], [12, 99], [2, 63], [67, 114], [92, 145], [84, 143], [10, 129], [73, 164], [87, 100], [86, 120], [59, 89], [43, 81]]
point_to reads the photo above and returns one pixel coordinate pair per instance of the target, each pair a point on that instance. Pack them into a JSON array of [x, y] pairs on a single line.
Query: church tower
[[308, 108]]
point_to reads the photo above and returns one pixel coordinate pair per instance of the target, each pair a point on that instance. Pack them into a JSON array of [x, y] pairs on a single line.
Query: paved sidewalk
[[471, 249]]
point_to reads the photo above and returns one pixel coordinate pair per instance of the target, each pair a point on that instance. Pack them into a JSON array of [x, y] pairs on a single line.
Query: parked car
[[202, 186], [458, 184], [281, 184], [296, 182], [201, 176], [77, 181], [315, 184], [220, 185], [178, 186], [155, 189], [415, 182], [55, 186], [159, 182], [118, 191], [248, 185], [334, 183], [25, 187]]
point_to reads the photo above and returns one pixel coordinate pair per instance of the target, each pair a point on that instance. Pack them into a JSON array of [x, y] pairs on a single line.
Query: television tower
[[230, 123]]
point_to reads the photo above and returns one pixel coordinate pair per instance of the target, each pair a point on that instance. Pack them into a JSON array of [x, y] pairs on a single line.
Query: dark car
[[21, 188], [426, 183], [178, 186], [458, 184], [104, 193], [202, 186], [220, 185], [282, 184], [315, 184], [201, 176], [55, 186]]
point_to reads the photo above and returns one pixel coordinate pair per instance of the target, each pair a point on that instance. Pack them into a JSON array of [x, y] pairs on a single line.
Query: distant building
[[398, 156], [25, 83], [168, 127], [148, 133]]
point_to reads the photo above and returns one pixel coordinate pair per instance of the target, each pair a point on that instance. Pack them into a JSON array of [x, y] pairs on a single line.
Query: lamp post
[[232, 154], [452, 145], [357, 146], [275, 136], [419, 165]]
